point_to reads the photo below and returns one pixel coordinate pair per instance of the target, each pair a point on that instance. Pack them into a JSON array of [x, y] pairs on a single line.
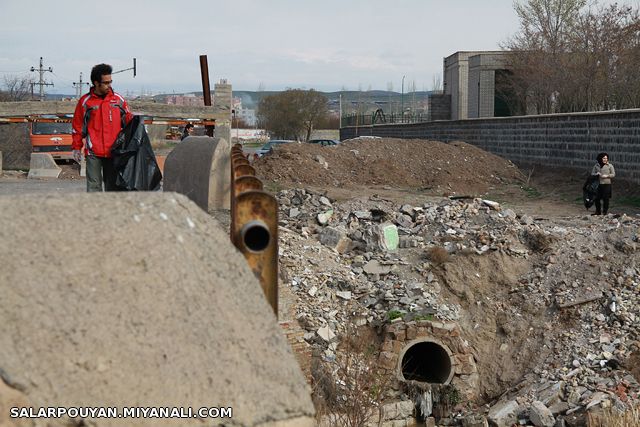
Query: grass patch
[[394, 314], [629, 201], [272, 187], [531, 192]]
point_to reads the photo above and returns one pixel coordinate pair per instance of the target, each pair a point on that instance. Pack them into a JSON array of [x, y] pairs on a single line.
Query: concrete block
[[504, 413], [200, 168], [335, 238], [540, 415], [382, 237], [42, 165]]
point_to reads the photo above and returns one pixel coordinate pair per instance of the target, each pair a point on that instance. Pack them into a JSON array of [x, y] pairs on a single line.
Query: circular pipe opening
[[255, 236], [427, 362]]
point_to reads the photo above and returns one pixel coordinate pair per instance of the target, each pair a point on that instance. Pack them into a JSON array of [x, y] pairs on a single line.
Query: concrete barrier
[[149, 305], [42, 165], [199, 168]]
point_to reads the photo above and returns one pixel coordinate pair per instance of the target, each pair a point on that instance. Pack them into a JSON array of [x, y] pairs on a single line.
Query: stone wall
[[556, 140]]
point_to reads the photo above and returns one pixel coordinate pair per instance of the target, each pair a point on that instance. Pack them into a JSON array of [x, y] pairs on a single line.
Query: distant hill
[[250, 99]]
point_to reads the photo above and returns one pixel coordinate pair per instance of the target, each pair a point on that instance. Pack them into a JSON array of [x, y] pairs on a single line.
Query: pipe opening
[[426, 362], [255, 236]]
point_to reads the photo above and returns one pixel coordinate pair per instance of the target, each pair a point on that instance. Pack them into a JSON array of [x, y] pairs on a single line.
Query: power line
[[41, 83], [14, 71]]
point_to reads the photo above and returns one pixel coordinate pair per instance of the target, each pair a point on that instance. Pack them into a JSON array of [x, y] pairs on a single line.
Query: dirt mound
[[451, 168], [134, 299]]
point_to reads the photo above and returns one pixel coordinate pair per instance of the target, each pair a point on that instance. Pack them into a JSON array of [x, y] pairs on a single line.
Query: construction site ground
[[507, 306], [412, 171], [402, 171], [417, 172]]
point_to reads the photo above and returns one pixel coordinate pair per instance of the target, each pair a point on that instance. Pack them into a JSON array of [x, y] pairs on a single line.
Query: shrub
[[438, 255], [355, 382]]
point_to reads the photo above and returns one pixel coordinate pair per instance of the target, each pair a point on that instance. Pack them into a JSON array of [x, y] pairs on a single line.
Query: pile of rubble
[[371, 262]]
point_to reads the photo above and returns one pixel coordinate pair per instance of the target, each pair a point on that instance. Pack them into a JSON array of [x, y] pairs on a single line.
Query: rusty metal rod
[[206, 89]]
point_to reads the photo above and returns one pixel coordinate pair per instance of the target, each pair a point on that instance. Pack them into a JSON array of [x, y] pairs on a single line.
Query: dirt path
[[12, 184]]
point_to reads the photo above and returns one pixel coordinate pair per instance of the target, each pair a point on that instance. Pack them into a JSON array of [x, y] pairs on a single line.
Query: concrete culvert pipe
[[426, 361]]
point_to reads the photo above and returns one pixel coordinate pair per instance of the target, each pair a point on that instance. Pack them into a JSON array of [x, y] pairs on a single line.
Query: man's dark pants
[[99, 170]]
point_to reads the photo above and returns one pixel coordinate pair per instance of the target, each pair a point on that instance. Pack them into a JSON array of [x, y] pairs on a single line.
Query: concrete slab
[[42, 165]]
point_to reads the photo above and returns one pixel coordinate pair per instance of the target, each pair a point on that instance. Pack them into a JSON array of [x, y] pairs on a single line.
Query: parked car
[[324, 142], [279, 141], [268, 147]]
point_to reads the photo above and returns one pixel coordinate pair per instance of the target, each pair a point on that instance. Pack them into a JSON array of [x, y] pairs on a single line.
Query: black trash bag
[[590, 190], [134, 160]]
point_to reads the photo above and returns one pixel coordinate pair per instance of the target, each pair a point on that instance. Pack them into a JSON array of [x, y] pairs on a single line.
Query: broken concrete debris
[[366, 260]]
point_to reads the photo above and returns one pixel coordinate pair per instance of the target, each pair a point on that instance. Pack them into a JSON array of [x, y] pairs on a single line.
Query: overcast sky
[[274, 44]]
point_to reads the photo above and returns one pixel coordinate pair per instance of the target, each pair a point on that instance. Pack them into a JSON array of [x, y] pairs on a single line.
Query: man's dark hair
[[188, 126], [100, 70]]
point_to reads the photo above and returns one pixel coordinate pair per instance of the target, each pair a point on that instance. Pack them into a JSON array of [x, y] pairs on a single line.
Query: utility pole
[[340, 110], [78, 86], [42, 83], [402, 101]]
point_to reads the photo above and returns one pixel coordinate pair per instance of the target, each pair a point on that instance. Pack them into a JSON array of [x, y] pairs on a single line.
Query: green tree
[[292, 114]]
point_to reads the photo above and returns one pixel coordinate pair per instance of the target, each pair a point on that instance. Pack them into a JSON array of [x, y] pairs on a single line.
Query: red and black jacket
[[98, 122]]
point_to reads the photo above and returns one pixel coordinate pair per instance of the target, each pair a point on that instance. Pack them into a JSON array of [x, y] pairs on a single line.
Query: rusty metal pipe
[[254, 224], [246, 183], [255, 236], [244, 170]]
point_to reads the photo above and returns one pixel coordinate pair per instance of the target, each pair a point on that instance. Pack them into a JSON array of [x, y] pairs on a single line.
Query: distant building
[[189, 99], [470, 80], [247, 115]]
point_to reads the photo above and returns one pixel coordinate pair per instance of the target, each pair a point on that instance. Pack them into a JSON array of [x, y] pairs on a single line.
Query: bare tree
[[436, 83], [539, 50], [549, 21], [16, 89], [567, 58]]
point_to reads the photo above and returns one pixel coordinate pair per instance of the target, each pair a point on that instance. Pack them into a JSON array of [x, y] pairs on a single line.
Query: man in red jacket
[[99, 117]]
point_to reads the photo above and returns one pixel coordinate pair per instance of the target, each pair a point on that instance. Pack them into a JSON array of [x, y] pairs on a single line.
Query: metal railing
[[381, 118]]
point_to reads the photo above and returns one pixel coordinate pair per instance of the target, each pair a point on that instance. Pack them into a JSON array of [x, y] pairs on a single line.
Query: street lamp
[[402, 100]]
